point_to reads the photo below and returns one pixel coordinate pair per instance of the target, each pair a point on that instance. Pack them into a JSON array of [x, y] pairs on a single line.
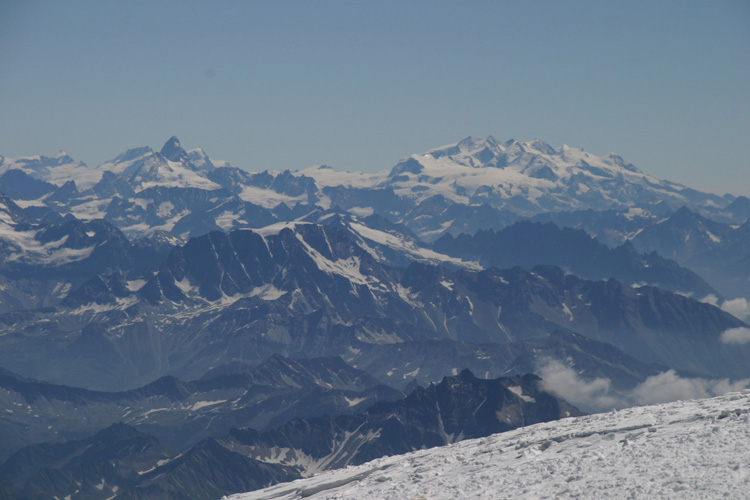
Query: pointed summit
[[467, 142], [473, 143], [172, 150], [61, 158], [199, 160], [542, 147]]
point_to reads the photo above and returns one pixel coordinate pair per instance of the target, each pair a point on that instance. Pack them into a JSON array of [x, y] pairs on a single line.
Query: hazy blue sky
[[357, 85]]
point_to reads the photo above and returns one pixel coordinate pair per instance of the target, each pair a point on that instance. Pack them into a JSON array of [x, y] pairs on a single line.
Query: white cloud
[[736, 336], [711, 299], [597, 395], [589, 395], [739, 308], [668, 386]]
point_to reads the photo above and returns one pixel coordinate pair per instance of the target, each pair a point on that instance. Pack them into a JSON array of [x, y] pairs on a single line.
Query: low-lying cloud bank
[[739, 308], [589, 395], [597, 395], [668, 386]]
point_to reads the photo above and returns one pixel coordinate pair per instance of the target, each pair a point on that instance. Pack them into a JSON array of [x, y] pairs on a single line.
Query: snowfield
[[698, 449]]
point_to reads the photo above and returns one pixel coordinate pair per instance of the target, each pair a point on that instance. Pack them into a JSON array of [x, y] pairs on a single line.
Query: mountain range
[[181, 413], [125, 462], [479, 181], [307, 289], [206, 329]]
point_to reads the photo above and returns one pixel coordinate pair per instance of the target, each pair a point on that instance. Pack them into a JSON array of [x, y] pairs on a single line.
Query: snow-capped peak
[[62, 158], [199, 160], [130, 155], [538, 176], [173, 151]]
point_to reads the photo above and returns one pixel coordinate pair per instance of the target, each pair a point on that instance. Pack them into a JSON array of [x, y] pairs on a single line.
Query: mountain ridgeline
[[173, 326], [308, 290], [181, 413], [131, 464], [527, 244]]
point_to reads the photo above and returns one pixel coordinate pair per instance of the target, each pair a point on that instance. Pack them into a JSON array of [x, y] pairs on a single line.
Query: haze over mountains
[[182, 295]]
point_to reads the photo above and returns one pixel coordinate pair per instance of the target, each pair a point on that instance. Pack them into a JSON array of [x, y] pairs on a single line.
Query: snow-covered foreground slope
[[688, 449]]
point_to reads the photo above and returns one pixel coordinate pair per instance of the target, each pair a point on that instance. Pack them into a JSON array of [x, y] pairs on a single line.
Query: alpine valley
[[175, 327]]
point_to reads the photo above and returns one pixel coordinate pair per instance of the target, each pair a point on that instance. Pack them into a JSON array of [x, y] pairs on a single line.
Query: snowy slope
[[326, 176], [530, 177], [26, 244], [688, 449], [57, 169], [141, 166]]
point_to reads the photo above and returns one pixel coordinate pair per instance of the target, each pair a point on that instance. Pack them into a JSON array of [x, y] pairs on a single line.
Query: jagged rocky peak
[[542, 147], [484, 150], [172, 150], [473, 143], [10, 213], [489, 152], [196, 159]]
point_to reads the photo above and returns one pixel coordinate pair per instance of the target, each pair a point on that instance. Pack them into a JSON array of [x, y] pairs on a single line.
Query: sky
[[360, 84]]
